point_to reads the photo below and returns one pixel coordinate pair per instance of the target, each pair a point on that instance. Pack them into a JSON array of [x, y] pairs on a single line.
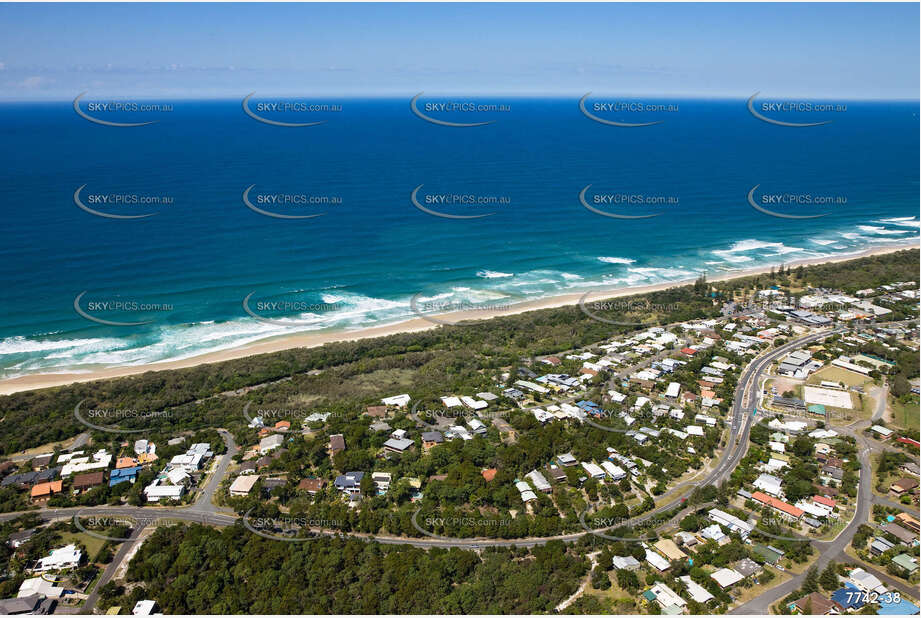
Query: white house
[[615, 472], [726, 577], [243, 484], [397, 400], [769, 484], [593, 470], [39, 585], [730, 521], [698, 593], [657, 561], [270, 443], [667, 598], [61, 558], [673, 390], [156, 492]]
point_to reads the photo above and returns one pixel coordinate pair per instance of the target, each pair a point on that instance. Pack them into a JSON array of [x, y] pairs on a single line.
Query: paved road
[[123, 550], [746, 397], [834, 550], [204, 503], [881, 395]]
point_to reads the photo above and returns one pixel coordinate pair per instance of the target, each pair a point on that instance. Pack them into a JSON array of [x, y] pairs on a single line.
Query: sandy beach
[[275, 344]]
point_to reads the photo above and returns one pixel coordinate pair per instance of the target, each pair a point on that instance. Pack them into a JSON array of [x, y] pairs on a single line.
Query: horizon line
[[437, 95]]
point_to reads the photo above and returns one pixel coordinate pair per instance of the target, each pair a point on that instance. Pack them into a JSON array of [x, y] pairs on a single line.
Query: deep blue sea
[[372, 249]]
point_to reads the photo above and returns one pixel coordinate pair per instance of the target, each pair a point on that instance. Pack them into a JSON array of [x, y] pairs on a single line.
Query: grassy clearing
[[837, 374], [91, 543], [905, 415]]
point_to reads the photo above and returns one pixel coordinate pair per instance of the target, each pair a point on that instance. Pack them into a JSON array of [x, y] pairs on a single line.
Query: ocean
[[82, 290]]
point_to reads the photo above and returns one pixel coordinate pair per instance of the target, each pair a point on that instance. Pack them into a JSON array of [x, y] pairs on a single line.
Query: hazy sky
[[55, 51]]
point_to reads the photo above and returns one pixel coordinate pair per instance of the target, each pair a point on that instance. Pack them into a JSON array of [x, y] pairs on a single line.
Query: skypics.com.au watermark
[[283, 112], [441, 204], [614, 113], [280, 312], [91, 417], [437, 113], [267, 414], [593, 308], [783, 113], [113, 113], [427, 309], [94, 522], [789, 205], [476, 525], [638, 204], [100, 311], [291, 529], [283, 205], [620, 527], [120, 205], [457, 412]]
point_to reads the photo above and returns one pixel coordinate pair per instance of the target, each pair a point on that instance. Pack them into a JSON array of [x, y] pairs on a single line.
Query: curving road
[[834, 549], [743, 407], [746, 394]]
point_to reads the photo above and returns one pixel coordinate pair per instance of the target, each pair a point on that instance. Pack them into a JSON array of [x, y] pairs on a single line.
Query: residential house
[[398, 401], [769, 484], [377, 411], [42, 492], [66, 557], [657, 561], [907, 563], [907, 521], [120, 475], [626, 563], [540, 483], [243, 484], [785, 510], [350, 483], [311, 485], [747, 567], [82, 482], [398, 445], [157, 491], [866, 582], [698, 593], [726, 577], [20, 537], [669, 549], [269, 443], [382, 481], [903, 486], [431, 439], [904, 536], [666, 598], [816, 605], [336, 444]]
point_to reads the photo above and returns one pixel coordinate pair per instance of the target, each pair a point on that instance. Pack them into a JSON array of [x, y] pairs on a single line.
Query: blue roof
[[848, 597], [902, 608], [125, 472], [586, 405]]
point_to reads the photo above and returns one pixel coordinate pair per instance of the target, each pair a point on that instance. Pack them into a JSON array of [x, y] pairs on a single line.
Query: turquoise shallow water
[[373, 250]]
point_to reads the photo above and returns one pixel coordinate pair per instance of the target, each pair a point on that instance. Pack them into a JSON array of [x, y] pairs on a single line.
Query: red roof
[[689, 351], [824, 500], [780, 505], [489, 474], [910, 441]]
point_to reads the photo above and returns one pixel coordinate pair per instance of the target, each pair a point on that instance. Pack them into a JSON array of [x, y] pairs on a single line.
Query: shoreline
[[417, 324]]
